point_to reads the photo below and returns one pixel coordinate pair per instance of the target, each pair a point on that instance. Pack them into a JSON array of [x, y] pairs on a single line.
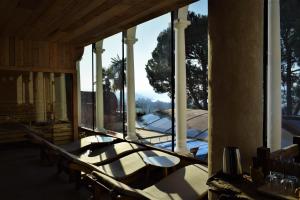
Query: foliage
[[290, 52], [158, 67], [114, 72]]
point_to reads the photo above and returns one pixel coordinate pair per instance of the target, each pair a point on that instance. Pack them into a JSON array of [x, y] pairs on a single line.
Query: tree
[[158, 67], [290, 52], [115, 73]]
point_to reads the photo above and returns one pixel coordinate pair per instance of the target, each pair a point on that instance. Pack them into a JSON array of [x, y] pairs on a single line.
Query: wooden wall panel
[[28, 55], [4, 51]]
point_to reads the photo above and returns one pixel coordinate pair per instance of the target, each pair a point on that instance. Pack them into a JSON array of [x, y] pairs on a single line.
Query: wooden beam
[[36, 69], [92, 23], [154, 11]]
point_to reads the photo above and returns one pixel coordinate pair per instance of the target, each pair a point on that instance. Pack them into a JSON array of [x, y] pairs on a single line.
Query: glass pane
[[197, 79], [86, 88], [152, 61], [113, 83], [290, 70]]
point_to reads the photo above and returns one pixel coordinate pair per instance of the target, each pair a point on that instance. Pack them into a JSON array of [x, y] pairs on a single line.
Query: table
[[241, 188], [162, 161]]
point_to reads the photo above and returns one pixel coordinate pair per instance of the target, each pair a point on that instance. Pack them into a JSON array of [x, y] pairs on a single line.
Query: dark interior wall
[[8, 87]]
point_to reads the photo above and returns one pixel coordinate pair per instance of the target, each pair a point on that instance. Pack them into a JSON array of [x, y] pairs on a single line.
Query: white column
[[274, 76], [39, 98], [24, 91], [99, 88], [63, 98], [180, 80], [129, 41], [20, 89], [78, 92], [52, 92], [30, 87]]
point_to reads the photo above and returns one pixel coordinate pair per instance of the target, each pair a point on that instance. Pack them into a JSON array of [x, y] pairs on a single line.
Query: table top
[[240, 188], [162, 161]]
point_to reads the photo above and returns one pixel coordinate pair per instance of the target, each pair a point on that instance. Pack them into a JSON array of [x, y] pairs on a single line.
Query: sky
[[146, 34]]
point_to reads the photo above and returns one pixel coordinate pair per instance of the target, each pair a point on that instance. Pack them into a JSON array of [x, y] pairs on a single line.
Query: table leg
[[166, 171]]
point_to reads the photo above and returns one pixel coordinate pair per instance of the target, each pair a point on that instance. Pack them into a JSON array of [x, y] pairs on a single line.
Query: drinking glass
[[274, 180]]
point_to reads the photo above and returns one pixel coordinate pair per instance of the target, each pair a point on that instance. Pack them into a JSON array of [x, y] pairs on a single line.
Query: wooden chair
[[277, 160], [188, 183]]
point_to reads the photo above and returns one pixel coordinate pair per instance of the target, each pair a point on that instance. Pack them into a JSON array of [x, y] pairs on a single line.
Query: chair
[[86, 142], [127, 166], [188, 183], [107, 153]]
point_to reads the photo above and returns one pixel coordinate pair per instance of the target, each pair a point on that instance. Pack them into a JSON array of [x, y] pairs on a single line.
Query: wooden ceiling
[[79, 22]]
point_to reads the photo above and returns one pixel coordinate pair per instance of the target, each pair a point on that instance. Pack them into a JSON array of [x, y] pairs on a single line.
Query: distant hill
[[146, 105]]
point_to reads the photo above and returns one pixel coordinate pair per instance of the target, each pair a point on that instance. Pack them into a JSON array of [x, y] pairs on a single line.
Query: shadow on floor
[[22, 177]]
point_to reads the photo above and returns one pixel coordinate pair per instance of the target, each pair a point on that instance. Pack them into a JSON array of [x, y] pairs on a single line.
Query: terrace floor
[[23, 176]]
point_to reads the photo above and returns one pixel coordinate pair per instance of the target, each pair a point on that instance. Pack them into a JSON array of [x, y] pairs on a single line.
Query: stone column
[[20, 91], [180, 80], [78, 92], [63, 98], [235, 67], [274, 76], [24, 91], [131, 113], [99, 88], [39, 98], [30, 87], [52, 94]]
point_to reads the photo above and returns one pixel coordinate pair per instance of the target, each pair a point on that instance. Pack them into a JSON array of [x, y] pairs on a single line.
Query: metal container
[[232, 161]]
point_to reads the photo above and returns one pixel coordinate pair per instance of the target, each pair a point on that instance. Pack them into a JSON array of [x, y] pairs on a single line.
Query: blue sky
[[146, 34]]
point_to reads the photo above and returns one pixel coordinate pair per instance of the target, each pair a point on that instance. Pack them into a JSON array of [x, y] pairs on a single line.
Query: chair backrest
[[280, 160], [188, 178], [116, 188], [188, 182]]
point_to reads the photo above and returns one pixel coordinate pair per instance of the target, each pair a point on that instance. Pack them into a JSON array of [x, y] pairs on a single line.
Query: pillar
[[30, 88], [235, 75], [99, 87], [24, 91], [274, 76], [131, 113], [180, 24], [63, 98], [52, 94], [20, 89], [78, 92], [39, 98]]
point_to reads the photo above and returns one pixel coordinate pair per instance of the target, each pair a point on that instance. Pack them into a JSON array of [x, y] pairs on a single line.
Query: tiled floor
[[23, 176]]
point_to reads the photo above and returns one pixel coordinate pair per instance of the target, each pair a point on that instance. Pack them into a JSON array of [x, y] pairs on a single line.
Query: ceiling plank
[[75, 14], [56, 11], [77, 21], [148, 14], [6, 12], [106, 15]]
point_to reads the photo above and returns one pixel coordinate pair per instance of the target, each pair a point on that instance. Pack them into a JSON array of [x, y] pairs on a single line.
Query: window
[[86, 84], [153, 87], [154, 81], [290, 69]]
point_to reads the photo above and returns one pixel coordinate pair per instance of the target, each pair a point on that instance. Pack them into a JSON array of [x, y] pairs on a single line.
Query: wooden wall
[[29, 55], [19, 55]]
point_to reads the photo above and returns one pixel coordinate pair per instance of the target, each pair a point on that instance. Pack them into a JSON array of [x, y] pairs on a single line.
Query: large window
[[154, 68], [113, 85], [153, 87], [86, 84], [290, 69]]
